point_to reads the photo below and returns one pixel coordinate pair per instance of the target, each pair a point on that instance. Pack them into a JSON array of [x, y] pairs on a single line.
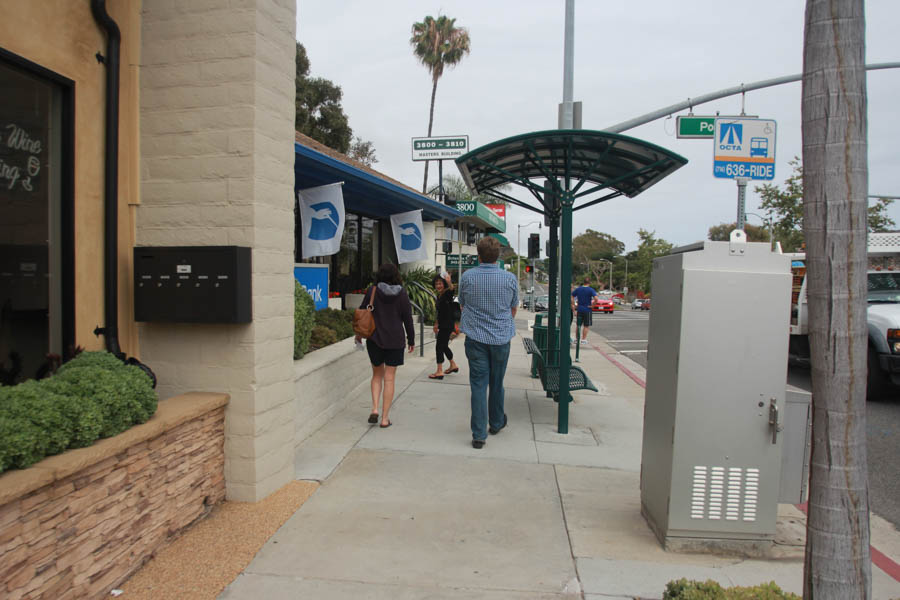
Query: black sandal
[[373, 418]]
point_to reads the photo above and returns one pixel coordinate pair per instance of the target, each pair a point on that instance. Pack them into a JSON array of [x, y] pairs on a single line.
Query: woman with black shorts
[[444, 325], [393, 313]]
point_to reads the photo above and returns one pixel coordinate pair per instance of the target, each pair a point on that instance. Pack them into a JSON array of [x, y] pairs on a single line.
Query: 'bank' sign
[[314, 279]]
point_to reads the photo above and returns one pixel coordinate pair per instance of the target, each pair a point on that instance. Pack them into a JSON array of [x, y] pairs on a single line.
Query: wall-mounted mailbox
[[192, 284]]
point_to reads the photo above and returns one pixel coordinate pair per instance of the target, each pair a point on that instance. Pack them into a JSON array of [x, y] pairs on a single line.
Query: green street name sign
[[439, 148], [694, 127], [468, 261]]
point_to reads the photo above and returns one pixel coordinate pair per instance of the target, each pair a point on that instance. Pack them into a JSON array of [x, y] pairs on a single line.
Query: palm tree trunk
[[837, 563], [430, 121]]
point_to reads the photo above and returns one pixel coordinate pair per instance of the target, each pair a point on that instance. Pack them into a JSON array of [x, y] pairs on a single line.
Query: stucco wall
[[217, 116], [62, 36]]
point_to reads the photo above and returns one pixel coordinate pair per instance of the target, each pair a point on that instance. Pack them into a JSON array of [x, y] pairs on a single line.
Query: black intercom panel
[[192, 284]]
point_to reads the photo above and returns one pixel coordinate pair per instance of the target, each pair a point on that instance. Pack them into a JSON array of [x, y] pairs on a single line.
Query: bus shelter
[[565, 170]]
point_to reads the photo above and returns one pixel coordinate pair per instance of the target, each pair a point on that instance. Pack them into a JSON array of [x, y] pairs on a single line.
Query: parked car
[[602, 304], [541, 303], [645, 305], [637, 304]]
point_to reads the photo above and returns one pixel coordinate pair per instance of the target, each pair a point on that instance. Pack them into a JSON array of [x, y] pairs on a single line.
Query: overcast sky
[[631, 58]]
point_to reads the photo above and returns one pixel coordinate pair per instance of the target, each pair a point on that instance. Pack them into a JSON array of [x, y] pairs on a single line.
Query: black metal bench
[[549, 375]]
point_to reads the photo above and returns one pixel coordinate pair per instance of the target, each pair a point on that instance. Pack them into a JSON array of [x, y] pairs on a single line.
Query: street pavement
[[413, 511]]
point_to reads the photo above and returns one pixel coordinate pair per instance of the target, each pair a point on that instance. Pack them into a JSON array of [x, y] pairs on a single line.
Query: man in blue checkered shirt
[[489, 297]]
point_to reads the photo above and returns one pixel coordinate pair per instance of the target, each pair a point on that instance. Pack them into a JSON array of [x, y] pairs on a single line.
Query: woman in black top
[[444, 325], [393, 314]]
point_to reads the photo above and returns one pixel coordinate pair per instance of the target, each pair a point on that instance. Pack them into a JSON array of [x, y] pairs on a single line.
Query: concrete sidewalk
[[413, 511]]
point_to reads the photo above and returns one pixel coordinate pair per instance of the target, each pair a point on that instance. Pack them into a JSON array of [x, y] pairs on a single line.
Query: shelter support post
[[553, 260], [565, 316]]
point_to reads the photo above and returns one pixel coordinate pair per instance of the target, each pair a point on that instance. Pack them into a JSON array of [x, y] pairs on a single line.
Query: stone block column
[[217, 159]]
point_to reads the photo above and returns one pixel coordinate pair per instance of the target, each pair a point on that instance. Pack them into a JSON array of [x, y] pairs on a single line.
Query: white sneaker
[[584, 342]]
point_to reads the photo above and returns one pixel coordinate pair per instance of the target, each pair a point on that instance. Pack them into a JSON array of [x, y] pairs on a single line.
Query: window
[[36, 274]]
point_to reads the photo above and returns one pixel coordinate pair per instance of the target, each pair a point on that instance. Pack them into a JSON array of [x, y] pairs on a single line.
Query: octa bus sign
[[744, 148]]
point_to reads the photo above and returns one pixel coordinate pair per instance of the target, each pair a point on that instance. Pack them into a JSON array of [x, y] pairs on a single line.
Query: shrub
[[102, 359], [322, 336], [684, 589], [94, 395], [30, 401], [339, 321], [423, 297], [304, 313]]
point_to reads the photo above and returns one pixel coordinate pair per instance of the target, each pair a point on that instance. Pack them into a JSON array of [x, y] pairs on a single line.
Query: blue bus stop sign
[[744, 148]]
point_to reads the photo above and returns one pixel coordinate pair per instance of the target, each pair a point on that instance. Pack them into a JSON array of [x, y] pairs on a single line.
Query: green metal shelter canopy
[[598, 165], [578, 169]]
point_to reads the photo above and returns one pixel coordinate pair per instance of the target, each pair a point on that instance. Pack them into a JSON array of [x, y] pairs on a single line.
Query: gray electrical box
[[192, 284], [711, 460]]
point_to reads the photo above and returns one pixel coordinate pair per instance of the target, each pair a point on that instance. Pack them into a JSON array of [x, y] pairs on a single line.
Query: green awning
[[502, 239], [600, 165], [475, 212]]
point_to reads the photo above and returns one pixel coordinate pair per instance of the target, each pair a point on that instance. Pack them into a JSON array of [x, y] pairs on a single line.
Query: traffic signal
[[529, 268], [534, 245]]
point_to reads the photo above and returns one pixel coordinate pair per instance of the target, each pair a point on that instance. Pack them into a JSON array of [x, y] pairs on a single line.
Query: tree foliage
[[438, 43], [592, 256], [320, 115], [640, 262], [456, 190], [722, 232], [785, 207], [362, 151], [319, 112]]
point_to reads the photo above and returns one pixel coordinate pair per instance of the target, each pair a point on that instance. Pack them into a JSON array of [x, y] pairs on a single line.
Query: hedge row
[[95, 395], [684, 589]]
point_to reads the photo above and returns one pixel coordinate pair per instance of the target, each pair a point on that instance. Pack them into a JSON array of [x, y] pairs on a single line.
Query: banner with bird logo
[[409, 236], [322, 218]]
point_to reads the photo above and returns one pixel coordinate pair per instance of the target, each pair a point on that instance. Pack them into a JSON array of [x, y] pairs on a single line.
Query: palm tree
[[438, 43], [837, 563]]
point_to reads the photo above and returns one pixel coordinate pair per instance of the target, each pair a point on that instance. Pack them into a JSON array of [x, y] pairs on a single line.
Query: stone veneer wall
[[217, 168], [77, 524]]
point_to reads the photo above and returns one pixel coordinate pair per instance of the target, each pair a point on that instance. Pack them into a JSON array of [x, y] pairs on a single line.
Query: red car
[[602, 304]]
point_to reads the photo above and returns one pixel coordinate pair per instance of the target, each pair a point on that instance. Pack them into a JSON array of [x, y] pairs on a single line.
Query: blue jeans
[[487, 367]]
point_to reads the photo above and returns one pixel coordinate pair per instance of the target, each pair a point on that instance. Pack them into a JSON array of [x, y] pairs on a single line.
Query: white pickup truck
[[883, 314]]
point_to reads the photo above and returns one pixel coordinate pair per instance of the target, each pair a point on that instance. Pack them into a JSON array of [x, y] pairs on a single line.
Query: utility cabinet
[[192, 284], [711, 459]]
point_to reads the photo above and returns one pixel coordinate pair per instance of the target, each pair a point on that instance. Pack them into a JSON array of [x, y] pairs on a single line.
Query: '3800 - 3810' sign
[[439, 148]]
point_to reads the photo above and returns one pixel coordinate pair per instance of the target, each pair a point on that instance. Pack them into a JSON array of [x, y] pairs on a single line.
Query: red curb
[[621, 367]]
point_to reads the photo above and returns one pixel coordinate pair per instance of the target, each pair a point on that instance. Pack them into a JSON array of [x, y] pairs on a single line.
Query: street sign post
[[439, 148], [744, 149]]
